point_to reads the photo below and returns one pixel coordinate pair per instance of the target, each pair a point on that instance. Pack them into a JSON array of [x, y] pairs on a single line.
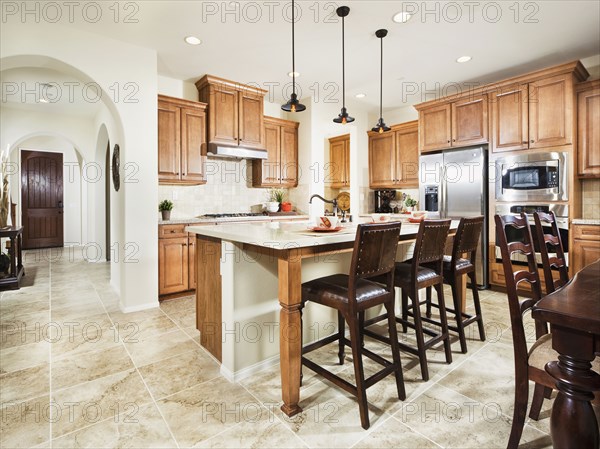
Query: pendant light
[[293, 105], [381, 127], [343, 118]]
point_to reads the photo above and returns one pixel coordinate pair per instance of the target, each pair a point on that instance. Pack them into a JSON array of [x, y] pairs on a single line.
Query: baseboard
[[248, 371], [151, 305]]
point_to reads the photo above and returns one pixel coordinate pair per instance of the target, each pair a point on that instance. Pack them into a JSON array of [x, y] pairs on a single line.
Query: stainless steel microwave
[[532, 177]]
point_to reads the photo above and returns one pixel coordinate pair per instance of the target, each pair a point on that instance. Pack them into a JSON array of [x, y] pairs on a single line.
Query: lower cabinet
[[585, 248], [176, 260]]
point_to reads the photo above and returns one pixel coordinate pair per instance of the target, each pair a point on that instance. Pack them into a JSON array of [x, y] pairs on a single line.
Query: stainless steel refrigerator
[[454, 184]]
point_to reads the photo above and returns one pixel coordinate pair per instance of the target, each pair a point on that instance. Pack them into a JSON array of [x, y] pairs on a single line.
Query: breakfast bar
[[245, 270]]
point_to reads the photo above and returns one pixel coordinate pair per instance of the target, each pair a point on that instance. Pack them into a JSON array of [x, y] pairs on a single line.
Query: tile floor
[[76, 372]]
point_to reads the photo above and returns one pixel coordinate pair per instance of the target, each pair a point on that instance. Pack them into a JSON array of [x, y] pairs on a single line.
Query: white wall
[[73, 203], [104, 61]]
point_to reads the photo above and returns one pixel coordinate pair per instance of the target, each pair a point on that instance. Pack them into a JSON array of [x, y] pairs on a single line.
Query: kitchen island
[[246, 273]]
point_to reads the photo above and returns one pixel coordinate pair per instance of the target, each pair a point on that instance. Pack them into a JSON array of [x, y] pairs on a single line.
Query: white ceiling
[[25, 88], [418, 55]]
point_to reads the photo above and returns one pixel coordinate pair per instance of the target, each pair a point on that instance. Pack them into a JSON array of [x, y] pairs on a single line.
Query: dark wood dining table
[[574, 316]]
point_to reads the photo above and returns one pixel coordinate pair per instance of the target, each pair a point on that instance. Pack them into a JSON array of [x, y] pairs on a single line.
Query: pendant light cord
[[293, 52], [381, 82], [343, 67]]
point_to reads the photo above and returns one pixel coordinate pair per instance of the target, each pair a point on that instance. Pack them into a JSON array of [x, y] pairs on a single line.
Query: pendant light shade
[[343, 118], [381, 127], [293, 105]]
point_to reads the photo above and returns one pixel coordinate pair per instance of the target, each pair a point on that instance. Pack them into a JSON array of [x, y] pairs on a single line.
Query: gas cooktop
[[241, 214]]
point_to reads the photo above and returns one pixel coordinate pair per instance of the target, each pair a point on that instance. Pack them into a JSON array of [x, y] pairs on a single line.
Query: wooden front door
[[42, 199]]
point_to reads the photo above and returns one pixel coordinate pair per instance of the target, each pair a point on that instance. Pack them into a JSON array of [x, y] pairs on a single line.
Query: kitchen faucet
[[333, 201]]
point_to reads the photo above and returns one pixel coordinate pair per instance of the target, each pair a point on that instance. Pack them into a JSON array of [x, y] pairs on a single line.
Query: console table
[[16, 271]]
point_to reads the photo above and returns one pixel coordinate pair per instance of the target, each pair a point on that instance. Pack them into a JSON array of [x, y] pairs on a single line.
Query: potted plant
[[410, 204], [275, 199], [165, 207]]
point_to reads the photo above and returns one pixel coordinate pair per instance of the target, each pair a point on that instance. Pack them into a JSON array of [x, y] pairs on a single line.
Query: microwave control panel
[[552, 178]]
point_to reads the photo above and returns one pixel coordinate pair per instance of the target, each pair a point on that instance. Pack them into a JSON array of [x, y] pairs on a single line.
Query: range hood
[[235, 152]]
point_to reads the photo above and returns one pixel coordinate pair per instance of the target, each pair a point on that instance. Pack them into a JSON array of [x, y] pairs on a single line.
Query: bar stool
[[422, 271], [374, 255], [553, 240], [466, 240]]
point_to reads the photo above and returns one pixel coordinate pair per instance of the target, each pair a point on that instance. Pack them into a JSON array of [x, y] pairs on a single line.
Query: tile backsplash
[[590, 193], [228, 189]]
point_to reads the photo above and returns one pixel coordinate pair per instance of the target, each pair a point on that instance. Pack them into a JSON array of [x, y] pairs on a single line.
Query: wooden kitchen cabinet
[[510, 119], [435, 128], [538, 114], [338, 170], [588, 129], [280, 169], [585, 247], [394, 157], [176, 259], [457, 124], [181, 141], [551, 112], [235, 112]]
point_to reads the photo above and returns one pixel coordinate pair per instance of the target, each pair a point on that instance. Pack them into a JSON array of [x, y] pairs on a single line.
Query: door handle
[[60, 204]]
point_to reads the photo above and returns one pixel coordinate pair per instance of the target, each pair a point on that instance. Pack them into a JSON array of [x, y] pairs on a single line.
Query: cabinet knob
[[453, 140], [531, 141], [448, 141]]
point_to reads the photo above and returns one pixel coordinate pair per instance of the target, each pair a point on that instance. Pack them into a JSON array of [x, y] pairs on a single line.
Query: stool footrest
[[344, 384]]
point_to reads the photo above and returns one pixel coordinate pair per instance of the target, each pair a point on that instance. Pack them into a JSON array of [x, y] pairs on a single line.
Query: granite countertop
[[285, 235], [196, 220], [585, 221]]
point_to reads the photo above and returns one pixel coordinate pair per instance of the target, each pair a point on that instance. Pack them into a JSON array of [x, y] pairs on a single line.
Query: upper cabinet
[[532, 111], [588, 129], [533, 115], [235, 112], [181, 141], [456, 124], [338, 170], [394, 157], [280, 169]]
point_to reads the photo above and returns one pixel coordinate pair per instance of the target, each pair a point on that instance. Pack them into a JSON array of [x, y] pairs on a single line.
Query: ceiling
[[250, 42]]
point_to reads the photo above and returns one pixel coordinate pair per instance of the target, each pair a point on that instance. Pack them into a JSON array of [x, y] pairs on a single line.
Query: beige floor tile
[[25, 384], [135, 330], [77, 311], [330, 417], [183, 304], [261, 430], [97, 400], [135, 428], [456, 421], [158, 347], [203, 411], [394, 434], [24, 424], [76, 336], [89, 366], [182, 371], [24, 356]]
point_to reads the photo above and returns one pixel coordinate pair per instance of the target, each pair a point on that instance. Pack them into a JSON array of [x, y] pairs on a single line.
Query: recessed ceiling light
[[360, 95], [402, 17], [193, 40], [293, 74], [464, 59]]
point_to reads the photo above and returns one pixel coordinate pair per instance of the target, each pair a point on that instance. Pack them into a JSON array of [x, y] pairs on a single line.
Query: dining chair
[[351, 295], [554, 241], [422, 271], [529, 364], [466, 241]]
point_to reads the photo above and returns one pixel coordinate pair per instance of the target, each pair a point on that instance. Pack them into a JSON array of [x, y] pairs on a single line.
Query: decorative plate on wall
[[116, 162]]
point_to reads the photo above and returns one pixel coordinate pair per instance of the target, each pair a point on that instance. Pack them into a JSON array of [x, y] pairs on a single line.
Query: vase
[[166, 215]]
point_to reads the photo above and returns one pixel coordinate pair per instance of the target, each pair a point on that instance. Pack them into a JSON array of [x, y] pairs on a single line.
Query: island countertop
[[288, 235]]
